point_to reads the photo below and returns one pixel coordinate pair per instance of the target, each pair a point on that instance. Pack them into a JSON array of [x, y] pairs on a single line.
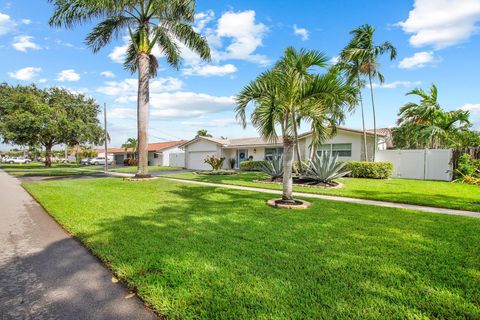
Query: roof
[[255, 141], [153, 147], [367, 131]]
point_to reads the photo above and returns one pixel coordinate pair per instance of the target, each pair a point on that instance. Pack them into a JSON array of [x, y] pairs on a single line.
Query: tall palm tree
[[203, 133], [362, 49], [131, 143], [286, 95], [149, 23], [429, 121]]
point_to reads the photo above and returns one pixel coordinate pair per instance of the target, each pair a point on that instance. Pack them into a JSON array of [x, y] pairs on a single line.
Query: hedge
[[370, 170], [250, 165]]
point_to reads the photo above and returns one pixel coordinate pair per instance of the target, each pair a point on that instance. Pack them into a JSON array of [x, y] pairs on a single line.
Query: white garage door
[[196, 160]]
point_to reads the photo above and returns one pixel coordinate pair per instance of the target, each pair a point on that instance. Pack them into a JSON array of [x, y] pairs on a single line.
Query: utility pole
[[106, 135]]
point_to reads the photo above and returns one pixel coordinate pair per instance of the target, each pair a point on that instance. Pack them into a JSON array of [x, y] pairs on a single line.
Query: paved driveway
[[46, 274]]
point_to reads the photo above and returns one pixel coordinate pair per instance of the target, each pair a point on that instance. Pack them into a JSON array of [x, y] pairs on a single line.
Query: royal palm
[[166, 24]]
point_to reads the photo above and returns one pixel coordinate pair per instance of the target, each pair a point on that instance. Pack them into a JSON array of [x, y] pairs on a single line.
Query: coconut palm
[[363, 51], [162, 23], [429, 121], [203, 133], [289, 94], [132, 144]]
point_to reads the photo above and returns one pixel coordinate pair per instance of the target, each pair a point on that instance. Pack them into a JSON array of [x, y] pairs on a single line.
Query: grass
[[196, 252], [429, 193], [133, 169], [39, 169]]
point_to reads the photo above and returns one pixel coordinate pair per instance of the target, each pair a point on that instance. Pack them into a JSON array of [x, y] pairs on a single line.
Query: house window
[[340, 149], [155, 155], [270, 153]]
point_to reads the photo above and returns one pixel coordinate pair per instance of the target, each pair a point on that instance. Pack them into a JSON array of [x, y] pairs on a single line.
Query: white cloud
[[301, 32], [335, 60], [26, 21], [128, 87], [43, 80], [396, 84], [441, 23], [202, 19], [473, 107], [122, 113], [25, 74], [6, 24], [68, 75], [118, 54], [23, 43], [214, 123], [418, 60], [107, 74], [245, 35], [209, 70]]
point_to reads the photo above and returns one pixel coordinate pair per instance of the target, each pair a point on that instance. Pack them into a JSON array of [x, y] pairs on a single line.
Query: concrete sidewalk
[[341, 199], [46, 274]]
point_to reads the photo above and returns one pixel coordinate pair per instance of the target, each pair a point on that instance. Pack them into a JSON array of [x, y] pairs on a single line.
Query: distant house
[[347, 144], [159, 153]]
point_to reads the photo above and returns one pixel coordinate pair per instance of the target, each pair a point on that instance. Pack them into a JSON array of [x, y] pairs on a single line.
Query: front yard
[[428, 193], [38, 169], [211, 253], [133, 169]]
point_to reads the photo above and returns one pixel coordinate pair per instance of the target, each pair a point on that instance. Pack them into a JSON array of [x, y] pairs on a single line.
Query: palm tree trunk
[[297, 146], [375, 144], [363, 121], [288, 146], [142, 114]]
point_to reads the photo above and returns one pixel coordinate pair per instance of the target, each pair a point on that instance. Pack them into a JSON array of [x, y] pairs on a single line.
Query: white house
[[347, 143]]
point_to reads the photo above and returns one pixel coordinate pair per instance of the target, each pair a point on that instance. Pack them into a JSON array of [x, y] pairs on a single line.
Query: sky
[[437, 42]]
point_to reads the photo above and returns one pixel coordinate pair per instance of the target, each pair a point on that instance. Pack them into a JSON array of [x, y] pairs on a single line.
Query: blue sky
[[437, 42]]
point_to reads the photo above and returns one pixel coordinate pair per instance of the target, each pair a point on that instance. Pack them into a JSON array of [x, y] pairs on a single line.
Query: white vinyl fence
[[419, 164], [176, 160]]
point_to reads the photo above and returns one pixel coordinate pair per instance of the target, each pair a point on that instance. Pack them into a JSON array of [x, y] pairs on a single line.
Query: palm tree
[[203, 133], [288, 94], [149, 23], [131, 143], [429, 121], [363, 50]]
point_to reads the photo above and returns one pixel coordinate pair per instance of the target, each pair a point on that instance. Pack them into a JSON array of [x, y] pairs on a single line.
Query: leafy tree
[[162, 23], [203, 133], [286, 95], [131, 143], [364, 53], [429, 123], [31, 116]]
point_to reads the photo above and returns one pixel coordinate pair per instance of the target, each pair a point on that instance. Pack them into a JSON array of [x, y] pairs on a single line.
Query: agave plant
[[273, 167], [325, 168]]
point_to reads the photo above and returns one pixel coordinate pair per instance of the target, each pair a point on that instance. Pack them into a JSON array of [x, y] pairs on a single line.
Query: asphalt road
[[46, 274]]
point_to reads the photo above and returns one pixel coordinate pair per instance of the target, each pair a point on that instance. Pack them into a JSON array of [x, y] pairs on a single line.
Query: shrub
[[325, 168], [296, 167], [370, 170], [274, 167], [232, 162], [218, 173], [132, 162], [214, 162], [250, 165], [467, 167]]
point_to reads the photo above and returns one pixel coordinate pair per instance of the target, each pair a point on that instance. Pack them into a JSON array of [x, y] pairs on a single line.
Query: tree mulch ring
[[283, 204], [305, 183]]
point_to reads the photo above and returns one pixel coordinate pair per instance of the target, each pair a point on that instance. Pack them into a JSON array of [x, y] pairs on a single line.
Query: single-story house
[[347, 144], [159, 153]]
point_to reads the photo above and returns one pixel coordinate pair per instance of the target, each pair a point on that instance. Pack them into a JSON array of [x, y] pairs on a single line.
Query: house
[[347, 144], [159, 154]]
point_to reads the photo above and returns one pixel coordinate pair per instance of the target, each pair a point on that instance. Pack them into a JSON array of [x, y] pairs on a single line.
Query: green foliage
[[217, 173], [296, 166], [132, 144], [232, 162], [273, 167], [251, 165], [325, 168], [214, 162], [370, 170], [467, 167], [203, 133], [130, 162]]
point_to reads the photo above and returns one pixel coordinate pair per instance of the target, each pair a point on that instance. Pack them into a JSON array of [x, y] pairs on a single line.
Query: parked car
[[99, 160], [85, 161], [20, 160]]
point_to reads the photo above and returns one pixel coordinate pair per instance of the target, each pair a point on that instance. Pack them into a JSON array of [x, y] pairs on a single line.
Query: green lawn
[[429, 193], [39, 169], [196, 252], [134, 169]]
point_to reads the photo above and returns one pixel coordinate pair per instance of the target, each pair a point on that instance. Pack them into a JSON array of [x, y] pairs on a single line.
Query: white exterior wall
[[419, 164], [166, 156], [342, 137], [155, 161], [197, 151]]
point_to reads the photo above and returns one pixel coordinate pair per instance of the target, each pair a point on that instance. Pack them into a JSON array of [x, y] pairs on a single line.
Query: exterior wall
[[258, 153], [342, 137], [166, 155], [176, 159], [202, 148], [155, 161]]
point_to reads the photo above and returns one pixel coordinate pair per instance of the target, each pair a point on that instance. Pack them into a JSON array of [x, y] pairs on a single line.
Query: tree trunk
[[297, 146], [48, 155], [375, 143], [142, 114], [288, 146], [363, 122]]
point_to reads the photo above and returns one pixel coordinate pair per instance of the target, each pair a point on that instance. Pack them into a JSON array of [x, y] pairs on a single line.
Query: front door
[[242, 155]]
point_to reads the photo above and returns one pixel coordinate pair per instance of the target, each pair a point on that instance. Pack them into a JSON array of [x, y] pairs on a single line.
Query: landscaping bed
[[196, 252]]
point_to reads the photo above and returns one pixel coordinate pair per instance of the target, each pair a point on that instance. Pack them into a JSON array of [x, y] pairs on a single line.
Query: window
[[273, 152], [155, 155], [340, 149]]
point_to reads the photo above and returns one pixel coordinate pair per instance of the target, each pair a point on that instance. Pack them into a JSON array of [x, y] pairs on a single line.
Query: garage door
[[196, 160]]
